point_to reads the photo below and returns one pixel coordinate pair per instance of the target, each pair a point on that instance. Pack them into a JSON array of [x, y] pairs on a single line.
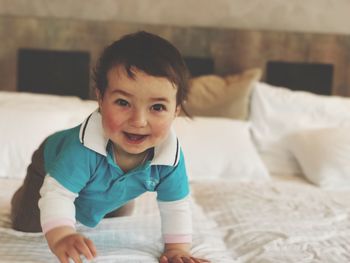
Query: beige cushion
[[215, 96]]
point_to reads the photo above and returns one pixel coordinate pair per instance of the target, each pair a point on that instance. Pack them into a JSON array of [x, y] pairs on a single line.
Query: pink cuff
[[56, 223], [178, 238]]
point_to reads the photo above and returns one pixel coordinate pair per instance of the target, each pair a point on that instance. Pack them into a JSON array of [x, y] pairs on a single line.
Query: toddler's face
[[137, 113]]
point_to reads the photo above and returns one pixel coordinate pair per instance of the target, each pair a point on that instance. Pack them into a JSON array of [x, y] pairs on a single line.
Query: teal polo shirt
[[82, 160]]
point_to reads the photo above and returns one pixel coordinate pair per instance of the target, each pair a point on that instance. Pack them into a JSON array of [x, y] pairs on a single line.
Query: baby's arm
[[176, 252], [177, 232], [57, 216], [65, 243], [179, 253]]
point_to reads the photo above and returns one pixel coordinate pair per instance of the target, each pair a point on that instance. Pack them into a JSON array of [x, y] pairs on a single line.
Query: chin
[[135, 150]]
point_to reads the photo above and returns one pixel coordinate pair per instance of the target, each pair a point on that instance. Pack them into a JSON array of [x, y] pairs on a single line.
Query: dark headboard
[[231, 50], [199, 66], [53, 72]]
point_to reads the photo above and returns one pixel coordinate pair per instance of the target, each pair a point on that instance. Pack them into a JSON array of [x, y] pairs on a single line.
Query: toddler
[[123, 149]]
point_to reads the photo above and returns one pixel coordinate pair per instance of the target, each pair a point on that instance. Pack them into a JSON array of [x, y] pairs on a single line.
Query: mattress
[[283, 220], [135, 238]]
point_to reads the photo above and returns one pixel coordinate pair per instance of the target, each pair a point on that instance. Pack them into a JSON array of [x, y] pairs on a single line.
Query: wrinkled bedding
[[283, 220], [279, 221], [127, 239]]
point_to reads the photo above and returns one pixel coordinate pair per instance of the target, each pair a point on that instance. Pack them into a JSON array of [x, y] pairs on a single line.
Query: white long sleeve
[[56, 205], [176, 219]]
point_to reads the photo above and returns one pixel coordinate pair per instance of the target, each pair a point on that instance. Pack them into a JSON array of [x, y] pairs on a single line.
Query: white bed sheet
[[127, 239], [285, 220]]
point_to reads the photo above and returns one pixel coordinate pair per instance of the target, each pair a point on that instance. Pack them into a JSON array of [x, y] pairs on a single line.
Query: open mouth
[[135, 138]]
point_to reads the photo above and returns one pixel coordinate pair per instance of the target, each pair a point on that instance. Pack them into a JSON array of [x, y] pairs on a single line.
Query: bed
[[269, 172]]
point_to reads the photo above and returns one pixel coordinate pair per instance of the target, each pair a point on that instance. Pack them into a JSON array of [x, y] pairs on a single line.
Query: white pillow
[[27, 119], [75, 107], [277, 112], [219, 148], [324, 156]]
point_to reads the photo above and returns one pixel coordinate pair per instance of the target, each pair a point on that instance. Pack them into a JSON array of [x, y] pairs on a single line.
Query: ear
[[177, 110], [98, 96]]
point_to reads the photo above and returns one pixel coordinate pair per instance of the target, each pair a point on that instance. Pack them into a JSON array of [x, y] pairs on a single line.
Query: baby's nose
[[138, 119]]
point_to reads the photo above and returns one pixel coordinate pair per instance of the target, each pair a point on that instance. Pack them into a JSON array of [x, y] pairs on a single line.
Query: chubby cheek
[[111, 123], [161, 129]]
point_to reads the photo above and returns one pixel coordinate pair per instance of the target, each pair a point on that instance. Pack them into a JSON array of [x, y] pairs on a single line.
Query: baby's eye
[[158, 107], [121, 102]]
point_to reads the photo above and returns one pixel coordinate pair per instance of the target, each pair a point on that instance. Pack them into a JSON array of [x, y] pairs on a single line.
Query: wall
[[71, 25], [323, 16]]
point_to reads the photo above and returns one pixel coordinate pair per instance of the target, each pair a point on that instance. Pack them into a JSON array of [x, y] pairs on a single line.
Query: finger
[[91, 246], [83, 249], [63, 258], [73, 254], [177, 259], [187, 260], [163, 259], [200, 260]]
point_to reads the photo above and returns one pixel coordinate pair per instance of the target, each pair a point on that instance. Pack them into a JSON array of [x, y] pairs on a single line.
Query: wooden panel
[[232, 50]]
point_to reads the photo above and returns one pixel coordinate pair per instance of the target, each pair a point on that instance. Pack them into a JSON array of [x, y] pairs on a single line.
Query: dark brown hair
[[149, 53]]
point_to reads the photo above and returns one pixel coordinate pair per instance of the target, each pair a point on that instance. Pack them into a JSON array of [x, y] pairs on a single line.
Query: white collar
[[91, 135]]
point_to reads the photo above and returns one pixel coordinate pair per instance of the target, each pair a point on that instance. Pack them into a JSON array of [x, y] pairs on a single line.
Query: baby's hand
[[72, 246], [180, 256]]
